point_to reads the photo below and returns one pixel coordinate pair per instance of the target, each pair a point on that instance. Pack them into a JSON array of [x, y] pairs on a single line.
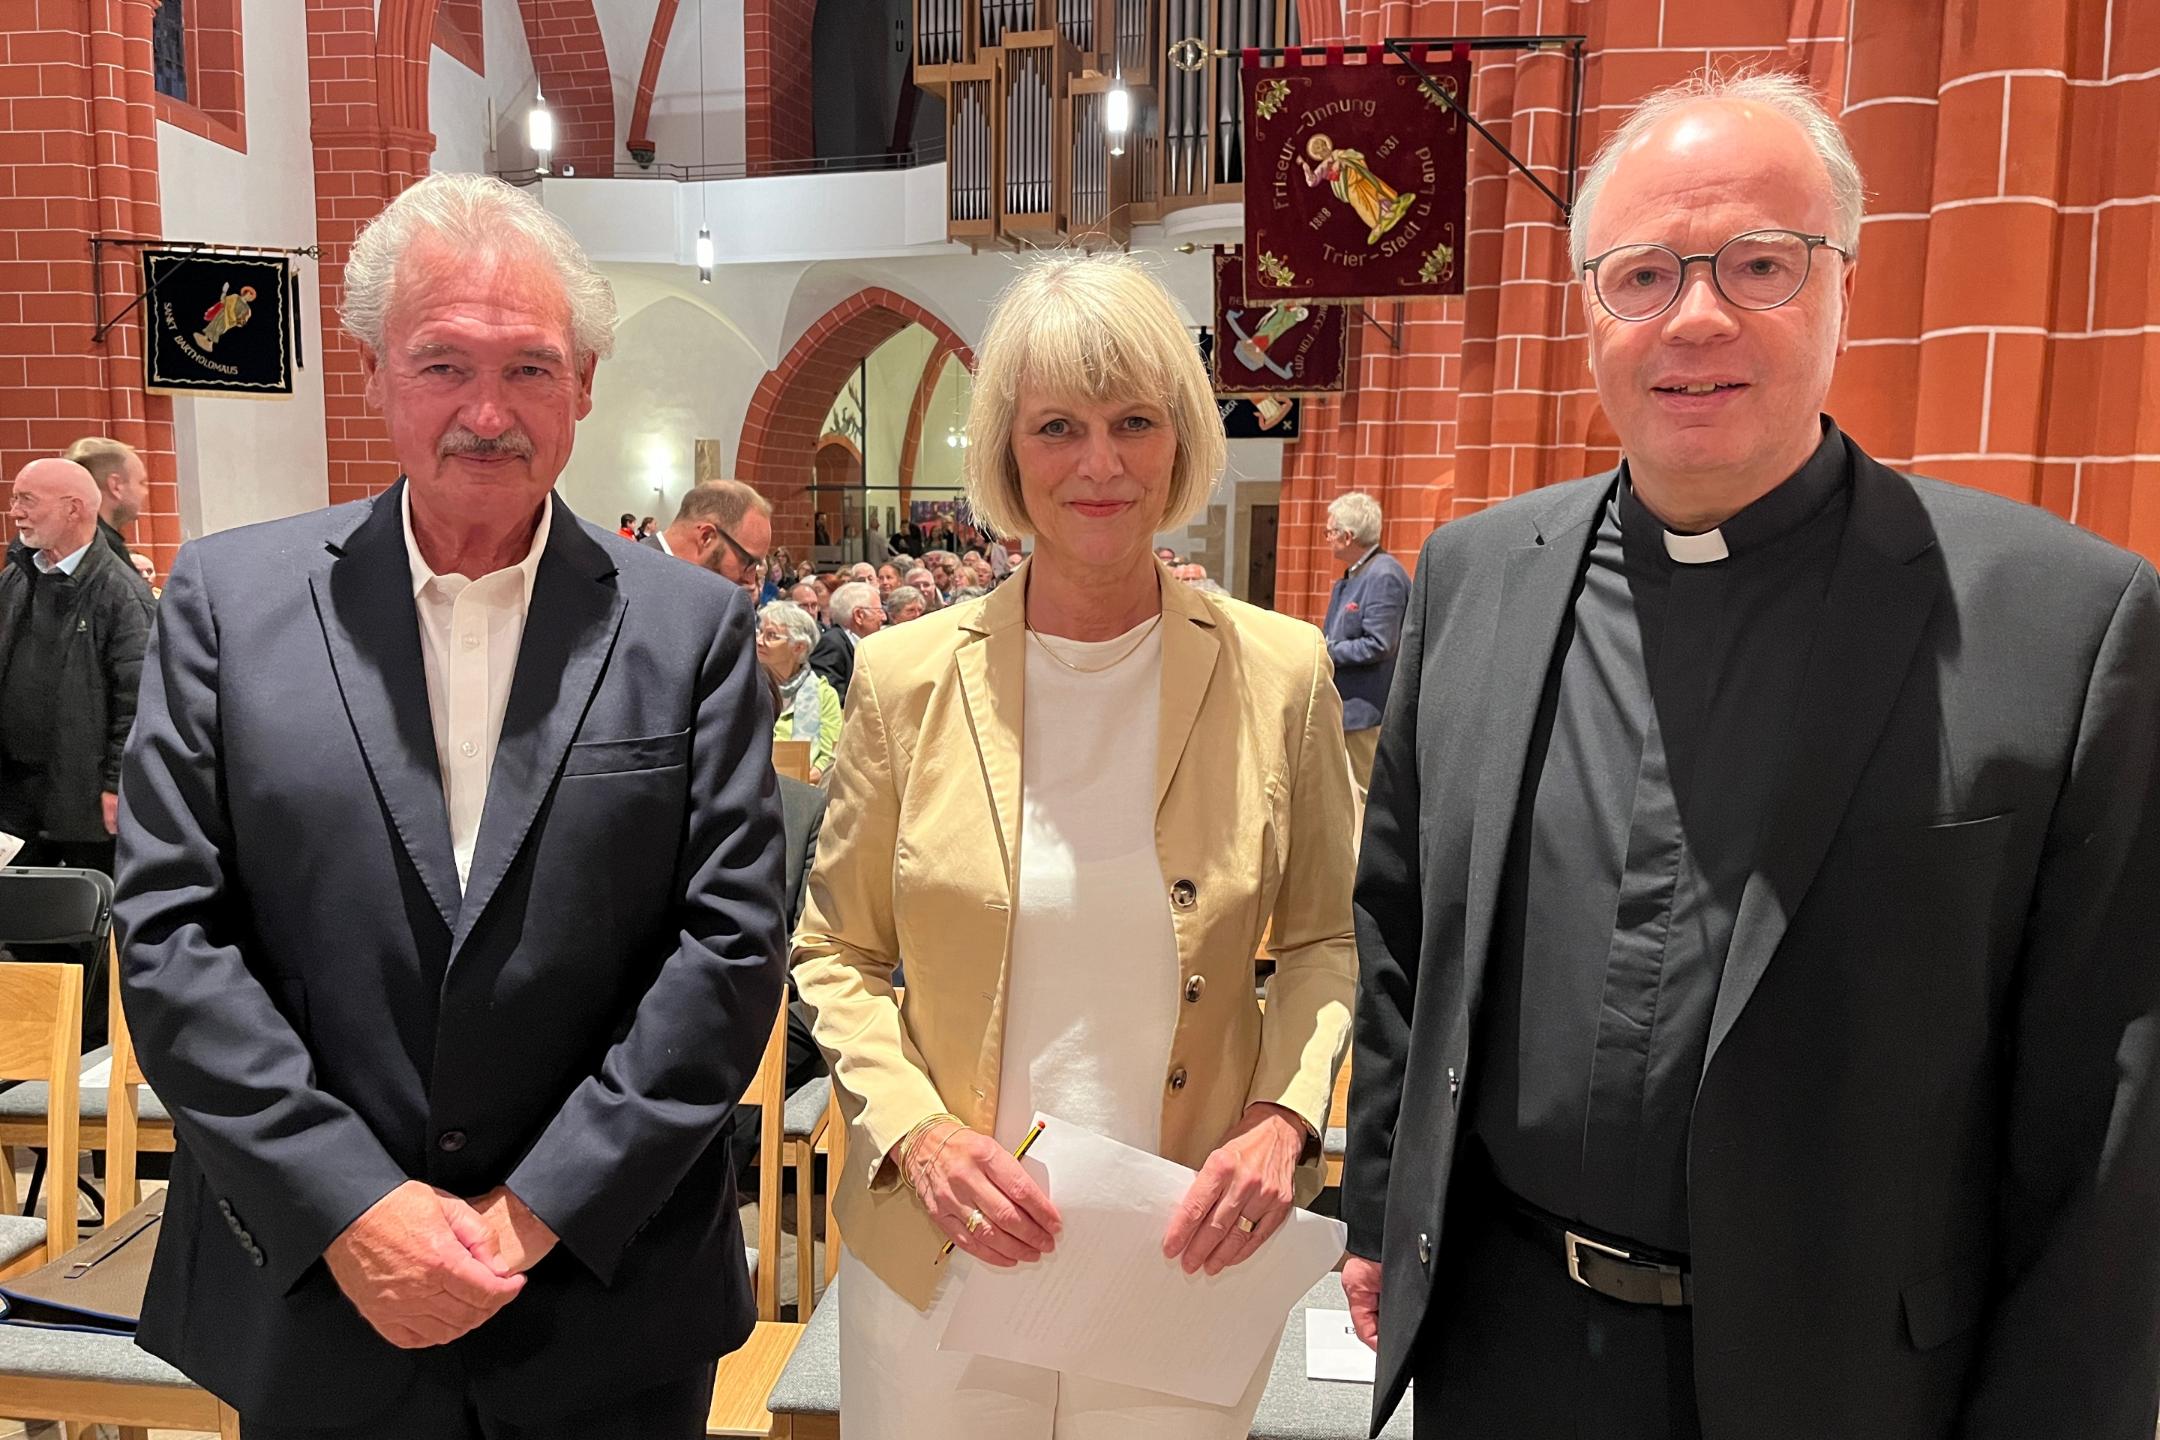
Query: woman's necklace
[[1127, 654]]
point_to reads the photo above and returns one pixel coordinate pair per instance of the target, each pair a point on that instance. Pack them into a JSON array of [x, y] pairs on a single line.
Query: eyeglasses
[[751, 563], [1760, 270]]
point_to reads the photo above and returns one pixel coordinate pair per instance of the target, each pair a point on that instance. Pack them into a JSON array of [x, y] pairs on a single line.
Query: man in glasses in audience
[[725, 526], [1757, 1033]]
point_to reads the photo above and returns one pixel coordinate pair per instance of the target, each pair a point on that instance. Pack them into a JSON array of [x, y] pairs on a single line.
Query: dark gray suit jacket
[[1924, 1171], [327, 1016]]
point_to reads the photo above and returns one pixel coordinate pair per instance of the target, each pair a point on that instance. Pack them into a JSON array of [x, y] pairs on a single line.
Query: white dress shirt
[[470, 631], [65, 565]]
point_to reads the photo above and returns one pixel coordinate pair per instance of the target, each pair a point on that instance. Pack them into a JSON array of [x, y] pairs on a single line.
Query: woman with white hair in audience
[[903, 604], [809, 706], [1072, 808]]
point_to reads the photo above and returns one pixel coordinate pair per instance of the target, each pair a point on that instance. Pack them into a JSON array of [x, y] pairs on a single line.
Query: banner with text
[[218, 324], [1284, 348], [1355, 178]]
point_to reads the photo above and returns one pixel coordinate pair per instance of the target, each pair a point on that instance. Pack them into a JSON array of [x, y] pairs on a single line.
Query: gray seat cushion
[[1293, 1407], [28, 1100], [810, 1383], [27, 1351], [1336, 1142], [805, 1108], [19, 1235]]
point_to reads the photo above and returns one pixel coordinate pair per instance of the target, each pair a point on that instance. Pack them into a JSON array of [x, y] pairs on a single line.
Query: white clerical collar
[[1704, 549]]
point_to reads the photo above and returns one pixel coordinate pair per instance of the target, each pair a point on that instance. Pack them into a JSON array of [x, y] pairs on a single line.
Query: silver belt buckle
[[1576, 1244]]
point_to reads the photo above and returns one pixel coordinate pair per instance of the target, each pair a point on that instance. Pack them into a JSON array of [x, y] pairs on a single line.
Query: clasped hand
[[423, 1266]]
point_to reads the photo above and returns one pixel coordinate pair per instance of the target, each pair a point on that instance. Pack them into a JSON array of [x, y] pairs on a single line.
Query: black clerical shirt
[[1658, 749]]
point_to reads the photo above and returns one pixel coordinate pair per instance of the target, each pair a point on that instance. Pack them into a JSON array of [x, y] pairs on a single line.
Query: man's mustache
[[464, 442]]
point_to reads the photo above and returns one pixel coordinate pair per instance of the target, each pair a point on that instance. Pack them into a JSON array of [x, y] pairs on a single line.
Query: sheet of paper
[[1333, 1351], [1106, 1303], [10, 847]]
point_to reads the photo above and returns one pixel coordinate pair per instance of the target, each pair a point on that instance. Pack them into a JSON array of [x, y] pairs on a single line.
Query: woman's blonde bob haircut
[[1100, 329]]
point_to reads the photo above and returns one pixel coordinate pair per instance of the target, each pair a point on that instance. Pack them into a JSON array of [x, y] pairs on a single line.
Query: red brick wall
[[216, 105], [2007, 315], [777, 125], [367, 87], [78, 155], [458, 32], [787, 414], [663, 26], [571, 60]]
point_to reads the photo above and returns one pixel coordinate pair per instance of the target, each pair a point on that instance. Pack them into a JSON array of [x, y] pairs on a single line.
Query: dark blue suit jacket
[[1364, 630], [327, 1016]]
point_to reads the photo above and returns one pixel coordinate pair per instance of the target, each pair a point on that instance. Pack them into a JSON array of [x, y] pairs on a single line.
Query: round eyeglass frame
[[1813, 243]]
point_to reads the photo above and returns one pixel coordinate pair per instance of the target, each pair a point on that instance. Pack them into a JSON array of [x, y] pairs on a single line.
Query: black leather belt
[[1637, 1275]]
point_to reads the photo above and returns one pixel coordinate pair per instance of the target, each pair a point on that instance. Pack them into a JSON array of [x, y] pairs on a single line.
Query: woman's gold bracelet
[[908, 1141]]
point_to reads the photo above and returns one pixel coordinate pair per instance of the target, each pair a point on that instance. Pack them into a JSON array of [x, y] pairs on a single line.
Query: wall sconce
[[540, 132], [704, 254]]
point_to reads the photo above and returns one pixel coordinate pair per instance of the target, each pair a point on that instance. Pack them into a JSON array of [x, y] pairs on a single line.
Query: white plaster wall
[[893, 370], [679, 374], [938, 465], [243, 460], [461, 104], [676, 111]]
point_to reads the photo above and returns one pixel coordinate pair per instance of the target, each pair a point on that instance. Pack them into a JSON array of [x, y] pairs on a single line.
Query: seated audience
[[809, 706], [904, 604], [856, 613]]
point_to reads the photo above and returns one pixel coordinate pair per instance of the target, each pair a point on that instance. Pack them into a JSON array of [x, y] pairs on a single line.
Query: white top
[[1091, 1000], [470, 631]]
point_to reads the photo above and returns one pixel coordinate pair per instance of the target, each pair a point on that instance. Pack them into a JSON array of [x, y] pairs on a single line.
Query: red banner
[[1355, 179], [1283, 348]]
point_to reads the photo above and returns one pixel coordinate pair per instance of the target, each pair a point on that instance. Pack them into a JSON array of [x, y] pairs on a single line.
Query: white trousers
[[895, 1384]]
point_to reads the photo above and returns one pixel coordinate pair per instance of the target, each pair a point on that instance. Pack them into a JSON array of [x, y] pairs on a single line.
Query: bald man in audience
[[74, 620], [123, 483]]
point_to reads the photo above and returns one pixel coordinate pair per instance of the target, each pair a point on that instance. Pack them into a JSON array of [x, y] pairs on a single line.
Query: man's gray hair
[[473, 214], [903, 596], [1356, 514], [849, 598], [1789, 95], [801, 625]]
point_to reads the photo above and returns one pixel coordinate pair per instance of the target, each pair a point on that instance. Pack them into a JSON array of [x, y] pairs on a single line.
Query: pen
[[1036, 1130]]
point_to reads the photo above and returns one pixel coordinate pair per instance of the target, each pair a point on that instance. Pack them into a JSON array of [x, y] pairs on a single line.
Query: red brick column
[[777, 125], [78, 135], [571, 61], [367, 84]]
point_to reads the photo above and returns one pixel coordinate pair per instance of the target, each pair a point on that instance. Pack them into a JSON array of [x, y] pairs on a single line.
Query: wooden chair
[[802, 1140], [77, 1377], [148, 1125], [41, 1040], [745, 1378], [792, 759]]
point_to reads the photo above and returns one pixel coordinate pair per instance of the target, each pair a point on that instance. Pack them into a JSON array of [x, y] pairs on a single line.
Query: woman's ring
[[1245, 1226], [977, 1222]]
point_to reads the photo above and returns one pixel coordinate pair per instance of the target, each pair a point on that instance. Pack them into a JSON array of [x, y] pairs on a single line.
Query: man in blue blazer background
[[449, 886], [1364, 623]]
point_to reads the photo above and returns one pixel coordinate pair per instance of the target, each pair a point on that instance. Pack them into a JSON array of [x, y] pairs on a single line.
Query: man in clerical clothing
[[1756, 912]]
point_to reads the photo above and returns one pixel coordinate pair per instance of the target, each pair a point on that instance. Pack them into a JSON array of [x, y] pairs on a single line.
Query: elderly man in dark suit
[[857, 614], [1364, 623], [1757, 1029], [450, 892]]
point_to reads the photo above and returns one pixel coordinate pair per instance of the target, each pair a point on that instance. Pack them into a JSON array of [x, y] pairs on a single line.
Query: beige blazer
[[918, 863]]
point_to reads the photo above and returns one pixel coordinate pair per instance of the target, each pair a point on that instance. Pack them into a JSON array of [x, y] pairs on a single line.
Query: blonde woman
[[1071, 808]]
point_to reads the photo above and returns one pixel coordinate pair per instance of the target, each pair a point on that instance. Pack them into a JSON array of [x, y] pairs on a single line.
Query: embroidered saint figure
[[1377, 203]]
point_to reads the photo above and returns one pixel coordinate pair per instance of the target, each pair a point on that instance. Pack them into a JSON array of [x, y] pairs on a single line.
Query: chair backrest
[[54, 907], [768, 1091], [41, 1039], [792, 759], [123, 1102]]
